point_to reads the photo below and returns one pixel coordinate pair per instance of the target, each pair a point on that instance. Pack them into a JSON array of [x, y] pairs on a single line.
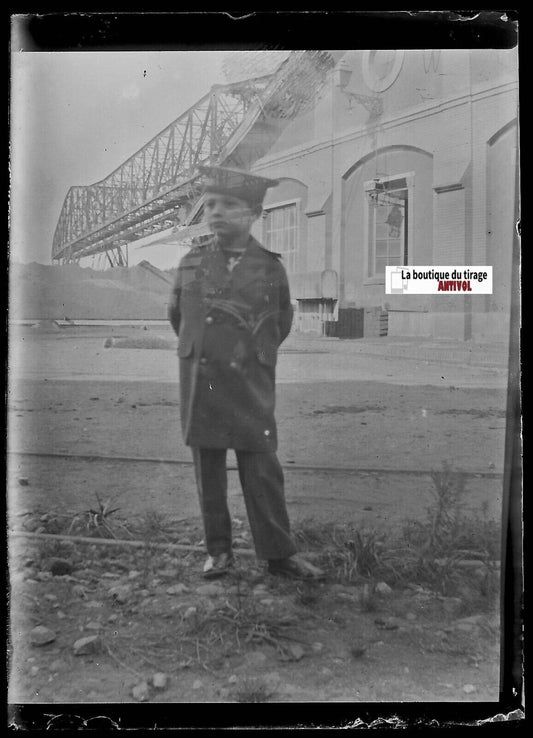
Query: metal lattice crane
[[155, 188]]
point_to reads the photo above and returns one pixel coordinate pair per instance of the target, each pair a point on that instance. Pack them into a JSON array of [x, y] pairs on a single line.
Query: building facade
[[403, 157]]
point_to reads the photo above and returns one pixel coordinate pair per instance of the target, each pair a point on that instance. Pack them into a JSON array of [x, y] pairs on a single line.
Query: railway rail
[[287, 466]]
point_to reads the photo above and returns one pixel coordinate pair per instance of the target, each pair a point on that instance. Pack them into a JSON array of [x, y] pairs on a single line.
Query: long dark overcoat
[[230, 325]]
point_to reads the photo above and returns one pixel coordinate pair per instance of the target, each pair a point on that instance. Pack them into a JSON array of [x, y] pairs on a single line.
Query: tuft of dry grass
[[254, 689], [446, 550], [96, 521]]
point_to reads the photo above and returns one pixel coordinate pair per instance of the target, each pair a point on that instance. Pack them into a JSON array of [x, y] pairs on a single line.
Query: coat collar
[[253, 248]]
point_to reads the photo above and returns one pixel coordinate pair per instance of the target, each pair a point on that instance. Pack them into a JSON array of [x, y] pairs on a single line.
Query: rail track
[[287, 466]]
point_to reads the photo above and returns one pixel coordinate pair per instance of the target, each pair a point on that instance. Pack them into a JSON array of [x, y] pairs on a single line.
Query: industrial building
[[384, 158]]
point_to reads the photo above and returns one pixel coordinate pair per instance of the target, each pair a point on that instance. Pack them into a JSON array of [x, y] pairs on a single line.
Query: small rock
[[93, 625], [326, 671], [351, 597], [296, 651], [141, 692], [190, 612], [233, 679], [87, 645], [411, 616], [160, 680], [212, 590], [168, 573], [178, 589], [197, 684], [44, 576], [255, 658], [240, 542], [466, 627], [387, 623], [267, 601], [235, 589], [260, 590], [93, 604], [121, 593], [112, 618], [57, 665], [34, 670], [50, 597], [60, 614], [40, 636], [383, 588], [60, 567], [336, 588], [134, 574], [469, 688], [317, 647], [24, 481], [452, 605]]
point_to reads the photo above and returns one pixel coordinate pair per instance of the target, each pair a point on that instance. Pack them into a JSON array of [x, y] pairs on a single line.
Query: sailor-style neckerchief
[[233, 258], [234, 255]]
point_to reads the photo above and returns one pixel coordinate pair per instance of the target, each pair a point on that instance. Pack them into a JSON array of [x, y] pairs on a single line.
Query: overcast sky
[[75, 117]]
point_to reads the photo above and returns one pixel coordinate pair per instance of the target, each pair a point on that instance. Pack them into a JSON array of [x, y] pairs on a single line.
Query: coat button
[[267, 433], [233, 364], [209, 320], [203, 360]]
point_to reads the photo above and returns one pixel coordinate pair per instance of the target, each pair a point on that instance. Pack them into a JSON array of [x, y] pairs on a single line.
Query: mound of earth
[[53, 292]]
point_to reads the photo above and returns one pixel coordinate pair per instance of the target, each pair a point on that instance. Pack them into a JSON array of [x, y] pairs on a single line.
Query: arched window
[[388, 213]]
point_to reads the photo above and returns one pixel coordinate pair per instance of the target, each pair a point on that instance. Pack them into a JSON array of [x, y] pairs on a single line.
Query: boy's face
[[228, 217]]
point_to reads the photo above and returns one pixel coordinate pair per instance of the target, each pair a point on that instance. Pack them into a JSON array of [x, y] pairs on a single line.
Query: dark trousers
[[261, 478]]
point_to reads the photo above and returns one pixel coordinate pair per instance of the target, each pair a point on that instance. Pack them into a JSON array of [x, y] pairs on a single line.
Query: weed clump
[[254, 689], [96, 521], [446, 550]]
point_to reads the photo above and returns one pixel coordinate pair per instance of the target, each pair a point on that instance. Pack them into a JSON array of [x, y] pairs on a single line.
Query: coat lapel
[[246, 270]]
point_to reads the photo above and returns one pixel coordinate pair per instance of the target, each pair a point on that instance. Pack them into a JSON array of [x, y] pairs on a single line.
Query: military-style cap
[[236, 182]]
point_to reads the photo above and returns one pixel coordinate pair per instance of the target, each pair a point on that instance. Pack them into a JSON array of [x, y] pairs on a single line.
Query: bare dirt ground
[[360, 434]]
